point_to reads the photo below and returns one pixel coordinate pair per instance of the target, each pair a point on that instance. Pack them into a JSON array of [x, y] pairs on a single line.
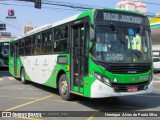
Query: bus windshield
[[122, 45], [4, 50]]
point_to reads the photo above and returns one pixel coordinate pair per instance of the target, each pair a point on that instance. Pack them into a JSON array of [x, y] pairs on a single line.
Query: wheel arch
[[61, 72], [21, 70]]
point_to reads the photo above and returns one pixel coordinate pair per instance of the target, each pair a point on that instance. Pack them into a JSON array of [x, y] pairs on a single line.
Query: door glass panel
[[78, 54]]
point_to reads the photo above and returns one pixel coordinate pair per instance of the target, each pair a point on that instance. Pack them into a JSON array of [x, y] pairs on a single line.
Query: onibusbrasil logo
[[11, 14]]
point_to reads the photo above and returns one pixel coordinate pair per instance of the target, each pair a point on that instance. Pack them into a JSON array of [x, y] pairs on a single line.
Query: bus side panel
[[19, 66], [11, 65], [27, 76], [58, 67], [88, 81], [42, 69]]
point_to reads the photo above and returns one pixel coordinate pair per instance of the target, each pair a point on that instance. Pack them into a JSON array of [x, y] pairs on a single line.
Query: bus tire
[[23, 80], [63, 87]]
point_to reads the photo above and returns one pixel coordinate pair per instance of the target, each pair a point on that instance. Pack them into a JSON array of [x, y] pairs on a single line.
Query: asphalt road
[[15, 96]]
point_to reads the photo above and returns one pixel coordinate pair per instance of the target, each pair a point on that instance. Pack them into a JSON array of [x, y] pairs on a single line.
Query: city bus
[[4, 53], [96, 54]]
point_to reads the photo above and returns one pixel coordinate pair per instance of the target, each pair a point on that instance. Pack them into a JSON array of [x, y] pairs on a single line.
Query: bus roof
[[41, 28], [48, 26]]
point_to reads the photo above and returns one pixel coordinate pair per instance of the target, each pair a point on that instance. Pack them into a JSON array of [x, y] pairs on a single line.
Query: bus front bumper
[[100, 90]]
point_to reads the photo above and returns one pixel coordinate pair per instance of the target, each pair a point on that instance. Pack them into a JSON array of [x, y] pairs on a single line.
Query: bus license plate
[[132, 89]]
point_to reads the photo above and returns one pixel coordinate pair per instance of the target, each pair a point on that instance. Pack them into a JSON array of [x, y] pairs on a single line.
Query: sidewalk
[[157, 76]]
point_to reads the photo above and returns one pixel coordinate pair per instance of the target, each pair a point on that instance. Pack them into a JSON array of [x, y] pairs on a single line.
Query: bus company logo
[[11, 14]]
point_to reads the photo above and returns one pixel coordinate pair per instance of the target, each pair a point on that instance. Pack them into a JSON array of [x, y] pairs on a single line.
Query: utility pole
[[38, 4]]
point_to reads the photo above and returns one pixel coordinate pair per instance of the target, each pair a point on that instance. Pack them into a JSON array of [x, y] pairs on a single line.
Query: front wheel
[[23, 80], [64, 90]]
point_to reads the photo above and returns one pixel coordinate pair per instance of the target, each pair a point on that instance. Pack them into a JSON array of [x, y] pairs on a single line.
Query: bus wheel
[[23, 76], [64, 90]]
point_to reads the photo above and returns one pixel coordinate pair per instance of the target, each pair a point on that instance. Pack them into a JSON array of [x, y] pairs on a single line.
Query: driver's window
[[137, 42], [101, 45]]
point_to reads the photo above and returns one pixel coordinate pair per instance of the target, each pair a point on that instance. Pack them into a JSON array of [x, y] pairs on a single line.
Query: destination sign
[[120, 17]]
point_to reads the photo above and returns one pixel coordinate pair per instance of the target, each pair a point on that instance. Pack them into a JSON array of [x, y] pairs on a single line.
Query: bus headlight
[[98, 76], [102, 79], [106, 81]]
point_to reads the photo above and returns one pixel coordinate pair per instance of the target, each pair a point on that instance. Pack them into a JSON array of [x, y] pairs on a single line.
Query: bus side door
[[15, 58], [79, 56]]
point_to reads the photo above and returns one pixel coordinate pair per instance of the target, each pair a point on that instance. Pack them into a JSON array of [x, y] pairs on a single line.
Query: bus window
[[12, 49], [37, 44], [28, 41], [60, 39], [46, 43]]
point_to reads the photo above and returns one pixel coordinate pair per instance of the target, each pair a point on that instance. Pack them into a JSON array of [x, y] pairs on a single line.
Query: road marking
[[29, 118], [59, 101], [10, 78], [156, 81], [95, 113], [10, 90], [31, 89], [1, 79], [17, 97], [28, 103], [98, 110], [156, 89], [2, 96]]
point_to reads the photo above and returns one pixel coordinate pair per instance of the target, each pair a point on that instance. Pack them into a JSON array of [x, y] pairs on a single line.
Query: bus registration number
[[132, 89]]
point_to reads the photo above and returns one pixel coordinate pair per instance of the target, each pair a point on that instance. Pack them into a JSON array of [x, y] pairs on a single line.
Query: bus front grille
[[128, 69]]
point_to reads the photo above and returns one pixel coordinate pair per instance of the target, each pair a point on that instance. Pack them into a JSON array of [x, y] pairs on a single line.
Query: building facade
[[133, 5]]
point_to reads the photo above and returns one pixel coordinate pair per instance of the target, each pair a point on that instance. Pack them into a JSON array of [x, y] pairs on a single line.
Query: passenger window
[[28, 45], [47, 43], [60, 39], [36, 44]]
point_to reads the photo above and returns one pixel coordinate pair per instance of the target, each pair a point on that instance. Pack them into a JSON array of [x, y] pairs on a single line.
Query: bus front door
[[77, 58], [15, 59]]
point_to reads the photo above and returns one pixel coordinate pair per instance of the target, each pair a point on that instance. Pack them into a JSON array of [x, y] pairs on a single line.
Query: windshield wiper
[[114, 29]]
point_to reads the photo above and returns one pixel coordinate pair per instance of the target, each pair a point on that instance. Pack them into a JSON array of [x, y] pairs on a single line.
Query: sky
[[49, 13]]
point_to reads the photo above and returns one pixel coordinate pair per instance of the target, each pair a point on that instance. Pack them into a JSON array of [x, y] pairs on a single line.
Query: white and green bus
[[4, 53], [98, 53]]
